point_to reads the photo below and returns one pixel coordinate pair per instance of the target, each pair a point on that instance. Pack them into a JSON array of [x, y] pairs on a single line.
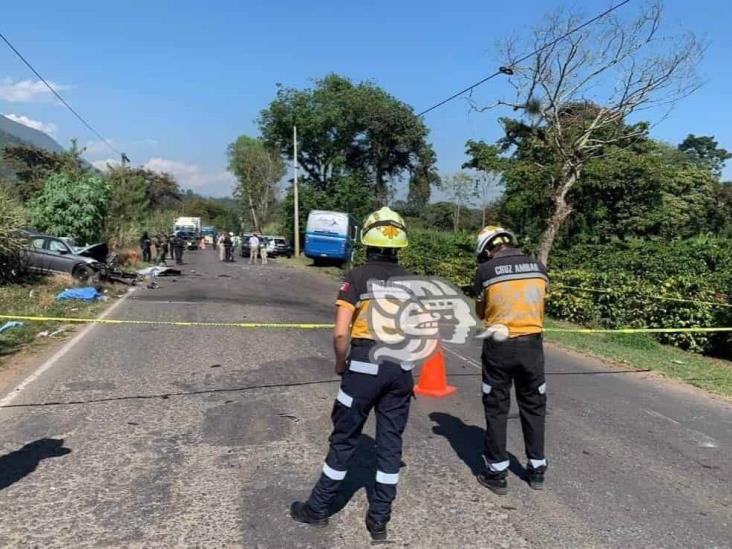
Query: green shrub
[[71, 206], [12, 219], [636, 283]]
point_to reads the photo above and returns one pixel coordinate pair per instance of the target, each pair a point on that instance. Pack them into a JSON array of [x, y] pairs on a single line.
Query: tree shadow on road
[[21, 463], [467, 442]]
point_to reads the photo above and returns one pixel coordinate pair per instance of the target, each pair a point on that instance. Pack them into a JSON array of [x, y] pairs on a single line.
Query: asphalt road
[[162, 436]]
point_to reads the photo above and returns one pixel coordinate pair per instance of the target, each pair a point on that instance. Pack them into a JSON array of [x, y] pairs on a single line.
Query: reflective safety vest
[[513, 288]]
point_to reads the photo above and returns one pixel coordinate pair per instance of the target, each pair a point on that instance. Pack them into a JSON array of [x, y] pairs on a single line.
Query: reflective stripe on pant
[[521, 360], [389, 393]]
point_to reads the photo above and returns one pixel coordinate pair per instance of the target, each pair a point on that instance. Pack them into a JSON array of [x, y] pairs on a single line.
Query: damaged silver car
[[49, 254]]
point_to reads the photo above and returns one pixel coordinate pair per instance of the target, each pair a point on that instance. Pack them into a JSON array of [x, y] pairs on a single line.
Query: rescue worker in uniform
[[161, 246], [228, 247], [385, 387], [178, 245], [511, 288], [145, 243]]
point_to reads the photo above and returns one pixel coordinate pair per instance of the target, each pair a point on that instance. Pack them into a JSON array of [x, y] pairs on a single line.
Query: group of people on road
[[227, 243], [257, 246], [510, 289], [165, 246]]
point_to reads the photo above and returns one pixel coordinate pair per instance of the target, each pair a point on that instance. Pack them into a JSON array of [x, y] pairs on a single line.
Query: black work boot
[[536, 477], [496, 482], [376, 529], [301, 512]]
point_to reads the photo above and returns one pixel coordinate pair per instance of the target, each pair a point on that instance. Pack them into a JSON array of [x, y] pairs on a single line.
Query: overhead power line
[[58, 95], [509, 70]]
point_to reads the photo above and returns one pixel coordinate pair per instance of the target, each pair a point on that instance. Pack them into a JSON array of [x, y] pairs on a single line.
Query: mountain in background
[[13, 133]]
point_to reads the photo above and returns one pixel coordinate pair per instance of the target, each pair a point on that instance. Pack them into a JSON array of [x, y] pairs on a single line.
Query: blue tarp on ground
[[10, 324], [86, 294]]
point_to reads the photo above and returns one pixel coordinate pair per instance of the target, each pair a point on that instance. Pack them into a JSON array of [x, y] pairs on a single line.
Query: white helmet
[[491, 236]]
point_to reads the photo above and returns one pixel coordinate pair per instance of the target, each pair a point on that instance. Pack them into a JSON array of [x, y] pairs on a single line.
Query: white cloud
[[103, 165], [190, 176], [49, 127], [27, 91]]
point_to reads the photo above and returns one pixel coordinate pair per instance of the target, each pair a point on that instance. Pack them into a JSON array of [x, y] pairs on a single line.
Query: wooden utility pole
[[294, 192]]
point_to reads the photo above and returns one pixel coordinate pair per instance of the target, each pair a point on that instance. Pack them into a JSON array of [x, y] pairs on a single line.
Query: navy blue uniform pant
[[387, 389], [519, 360]]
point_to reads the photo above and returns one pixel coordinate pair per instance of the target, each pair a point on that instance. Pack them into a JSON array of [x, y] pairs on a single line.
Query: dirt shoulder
[[24, 347]]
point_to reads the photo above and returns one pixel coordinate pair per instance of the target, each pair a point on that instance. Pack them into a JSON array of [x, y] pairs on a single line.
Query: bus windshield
[[327, 222]]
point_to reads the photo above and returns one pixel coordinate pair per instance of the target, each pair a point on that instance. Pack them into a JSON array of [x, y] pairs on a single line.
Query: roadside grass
[[37, 297], [303, 262], [643, 352]]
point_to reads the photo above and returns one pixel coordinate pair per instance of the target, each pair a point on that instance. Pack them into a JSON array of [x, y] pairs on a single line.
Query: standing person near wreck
[[385, 386], [220, 246], [253, 248], [511, 288], [161, 247], [145, 244], [178, 245]]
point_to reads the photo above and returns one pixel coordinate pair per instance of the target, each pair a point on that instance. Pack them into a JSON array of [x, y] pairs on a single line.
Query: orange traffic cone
[[433, 379]]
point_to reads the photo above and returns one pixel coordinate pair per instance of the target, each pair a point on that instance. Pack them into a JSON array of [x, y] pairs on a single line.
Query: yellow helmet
[[384, 229], [492, 235]]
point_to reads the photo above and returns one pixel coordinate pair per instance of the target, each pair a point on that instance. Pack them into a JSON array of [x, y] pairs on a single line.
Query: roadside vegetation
[[643, 352], [36, 296]]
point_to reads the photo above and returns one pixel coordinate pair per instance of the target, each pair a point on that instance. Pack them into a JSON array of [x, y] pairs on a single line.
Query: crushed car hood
[[97, 252]]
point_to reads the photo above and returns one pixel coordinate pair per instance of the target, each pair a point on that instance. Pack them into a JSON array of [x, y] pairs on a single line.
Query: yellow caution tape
[[274, 325], [323, 326], [656, 297]]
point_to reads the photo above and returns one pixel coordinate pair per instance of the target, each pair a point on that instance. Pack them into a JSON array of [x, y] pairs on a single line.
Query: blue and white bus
[[330, 236]]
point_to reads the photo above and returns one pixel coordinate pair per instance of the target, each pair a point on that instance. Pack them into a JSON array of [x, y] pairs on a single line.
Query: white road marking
[[660, 415], [9, 398], [166, 302], [461, 357], [702, 440]]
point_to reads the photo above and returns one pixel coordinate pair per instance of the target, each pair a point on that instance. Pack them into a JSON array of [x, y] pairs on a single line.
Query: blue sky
[[173, 82]]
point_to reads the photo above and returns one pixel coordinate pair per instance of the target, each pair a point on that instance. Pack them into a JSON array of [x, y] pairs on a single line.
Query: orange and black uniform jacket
[[354, 292], [513, 287]]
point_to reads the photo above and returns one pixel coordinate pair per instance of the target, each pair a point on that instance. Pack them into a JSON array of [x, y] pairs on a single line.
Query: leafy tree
[[351, 130], [163, 191], [644, 191], [423, 177], [705, 151], [258, 170], [32, 166], [461, 188], [222, 213], [723, 209], [128, 195], [70, 206], [565, 121]]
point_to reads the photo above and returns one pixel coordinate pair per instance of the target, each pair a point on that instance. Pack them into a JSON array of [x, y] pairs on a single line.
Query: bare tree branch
[[578, 92]]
